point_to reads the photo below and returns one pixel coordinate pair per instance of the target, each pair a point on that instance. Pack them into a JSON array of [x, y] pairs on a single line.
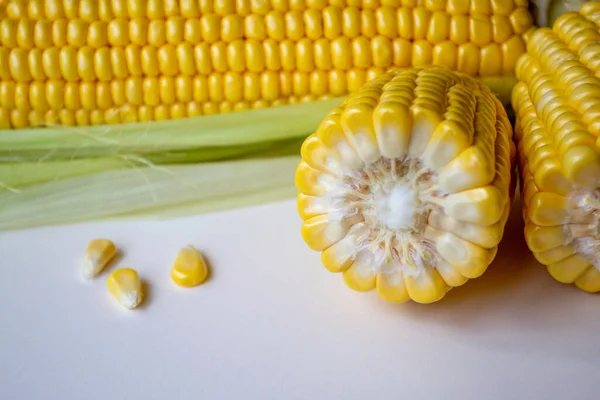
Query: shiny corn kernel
[[98, 254], [190, 268], [125, 286]]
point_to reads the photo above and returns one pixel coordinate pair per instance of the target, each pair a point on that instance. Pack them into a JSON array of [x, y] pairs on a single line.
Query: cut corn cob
[[98, 254], [111, 61], [406, 186], [557, 105], [190, 268], [125, 286]]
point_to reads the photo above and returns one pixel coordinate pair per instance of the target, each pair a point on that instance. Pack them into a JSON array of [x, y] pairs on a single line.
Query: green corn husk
[[63, 175]]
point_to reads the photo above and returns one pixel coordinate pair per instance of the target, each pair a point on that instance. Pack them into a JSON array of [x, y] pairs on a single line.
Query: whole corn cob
[[557, 106], [406, 186], [109, 61]]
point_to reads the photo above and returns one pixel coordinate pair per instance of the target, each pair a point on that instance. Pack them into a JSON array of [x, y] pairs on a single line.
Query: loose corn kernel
[[190, 268], [98, 254], [125, 286]]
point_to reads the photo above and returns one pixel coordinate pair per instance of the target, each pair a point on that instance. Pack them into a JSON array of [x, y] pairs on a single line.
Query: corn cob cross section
[[109, 61], [557, 104], [406, 186]]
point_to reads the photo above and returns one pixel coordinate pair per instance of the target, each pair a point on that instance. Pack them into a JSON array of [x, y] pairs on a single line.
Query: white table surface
[[272, 323]]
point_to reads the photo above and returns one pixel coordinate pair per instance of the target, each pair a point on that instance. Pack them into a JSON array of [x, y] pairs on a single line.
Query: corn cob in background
[[545, 12], [406, 186], [557, 105], [111, 61]]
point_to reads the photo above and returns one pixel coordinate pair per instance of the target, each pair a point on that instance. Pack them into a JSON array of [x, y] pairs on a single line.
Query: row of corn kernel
[[104, 64], [18, 118], [418, 24], [91, 10], [231, 86]]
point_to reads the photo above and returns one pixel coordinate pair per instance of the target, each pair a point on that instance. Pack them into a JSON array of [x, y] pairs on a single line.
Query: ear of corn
[[107, 61], [557, 104], [405, 188], [125, 286]]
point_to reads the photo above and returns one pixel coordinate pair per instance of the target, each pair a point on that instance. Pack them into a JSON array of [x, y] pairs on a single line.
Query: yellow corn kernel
[[439, 27], [468, 58], [118, 32], [21, 96], [194, 109], [480, 30], [76, 32], [97, 36], [445, 54], [490, 60], [192, 31], [402, 52], [232, 27], [405, 22], [556, 116], [88, 10], [422, 53], [521, 20], [25, 29], [386, 22], [138, 31], [589, 281], [417, 141], [337, 83], [218, 56], [253, 56], [190, 268], [332, 22], [174, 29], [42, 34], [382, 52], [98, 254], [421, 18], [35, 119], [125, 286], [119, 8]]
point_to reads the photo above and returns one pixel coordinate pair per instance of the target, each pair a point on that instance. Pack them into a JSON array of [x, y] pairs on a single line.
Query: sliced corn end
[[190, 268], [405, 187], [557, 108], [125, 286], [91, 62], [98, 254]]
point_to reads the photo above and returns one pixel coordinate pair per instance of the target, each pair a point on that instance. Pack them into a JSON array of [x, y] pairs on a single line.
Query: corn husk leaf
[[164, 137], [63, 175], [150, 192]]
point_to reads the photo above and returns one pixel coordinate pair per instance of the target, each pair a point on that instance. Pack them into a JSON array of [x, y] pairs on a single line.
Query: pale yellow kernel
[[190, 268], [98, 254], [125, 286]]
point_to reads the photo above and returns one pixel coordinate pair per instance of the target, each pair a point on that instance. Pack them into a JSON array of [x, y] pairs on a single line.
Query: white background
[[272, 323]]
